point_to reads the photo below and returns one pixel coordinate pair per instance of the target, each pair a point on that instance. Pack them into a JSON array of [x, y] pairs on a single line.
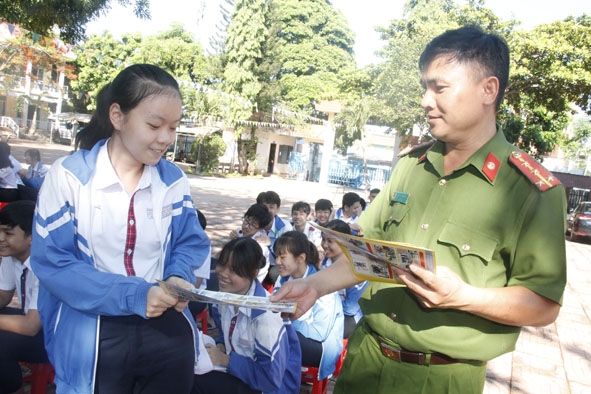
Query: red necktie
[[130, 241]]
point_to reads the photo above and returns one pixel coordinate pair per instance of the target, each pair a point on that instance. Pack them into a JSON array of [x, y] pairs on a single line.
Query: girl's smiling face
[[332, 250], [231, 282], [290, 265]]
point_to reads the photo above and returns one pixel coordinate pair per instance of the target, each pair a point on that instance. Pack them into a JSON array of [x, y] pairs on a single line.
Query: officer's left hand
[[443, 290]]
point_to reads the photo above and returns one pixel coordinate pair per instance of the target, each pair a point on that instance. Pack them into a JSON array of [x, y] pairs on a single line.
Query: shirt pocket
[[468, 242], [394, 215]]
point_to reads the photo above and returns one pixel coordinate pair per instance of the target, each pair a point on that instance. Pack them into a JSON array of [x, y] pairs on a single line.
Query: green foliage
[[309, 44], [206, 151], [576, 145], [70, 16]]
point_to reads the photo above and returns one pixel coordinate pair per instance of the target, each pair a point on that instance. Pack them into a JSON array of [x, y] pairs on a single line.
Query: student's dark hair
[[269, 197], [374, 191], [470, 45], [350, 199], [33, 154], [132, 85], [339, 226], [323, 205], [261, 213], [296, 243], [201, 218], [18, 213], [363, 203], [244, 256], [5, 155], [301, 206]]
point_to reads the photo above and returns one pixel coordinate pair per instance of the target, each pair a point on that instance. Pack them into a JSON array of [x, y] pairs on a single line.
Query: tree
[[206, 151], [576, 146], [70, 16], [99, 60], [309, 44], [246, 34]]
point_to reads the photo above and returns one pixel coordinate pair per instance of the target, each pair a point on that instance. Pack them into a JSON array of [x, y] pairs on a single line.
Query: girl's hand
[[158, 301], [217, 357]]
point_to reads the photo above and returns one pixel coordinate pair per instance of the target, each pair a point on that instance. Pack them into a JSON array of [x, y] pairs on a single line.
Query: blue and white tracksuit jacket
[[325, 323], [73, 293], [350, 296], [267, 355]]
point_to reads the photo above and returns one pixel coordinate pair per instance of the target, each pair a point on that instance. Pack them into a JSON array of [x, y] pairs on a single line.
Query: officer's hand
[[443, 290], [296, 290]]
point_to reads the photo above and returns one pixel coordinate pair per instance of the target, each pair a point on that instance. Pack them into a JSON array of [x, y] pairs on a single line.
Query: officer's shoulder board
[[413, 148], [538, 175]]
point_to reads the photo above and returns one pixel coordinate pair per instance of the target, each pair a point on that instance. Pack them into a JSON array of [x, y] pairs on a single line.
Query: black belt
[[406, 356]]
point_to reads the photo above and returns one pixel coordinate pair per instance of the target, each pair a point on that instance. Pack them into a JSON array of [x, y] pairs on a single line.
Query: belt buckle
[[390, 351]]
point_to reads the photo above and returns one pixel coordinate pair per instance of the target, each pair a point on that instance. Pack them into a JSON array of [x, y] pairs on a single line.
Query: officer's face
[[455, 99]]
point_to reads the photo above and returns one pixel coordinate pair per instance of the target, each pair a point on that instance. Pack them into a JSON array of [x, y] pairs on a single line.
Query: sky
[[201, 16]]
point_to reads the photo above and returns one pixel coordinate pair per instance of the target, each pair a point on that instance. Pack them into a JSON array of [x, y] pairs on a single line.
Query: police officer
[[493, 216]]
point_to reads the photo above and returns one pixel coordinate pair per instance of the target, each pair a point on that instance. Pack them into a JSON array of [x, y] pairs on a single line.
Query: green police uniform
[[496, 221]]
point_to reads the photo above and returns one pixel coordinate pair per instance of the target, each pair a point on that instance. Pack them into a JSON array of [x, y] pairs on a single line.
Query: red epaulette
[[410, 149], [538, 175]]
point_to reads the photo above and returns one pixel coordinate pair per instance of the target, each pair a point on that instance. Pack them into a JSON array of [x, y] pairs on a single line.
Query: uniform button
[[393, 316], [466, 247], [490, 165], [442, 182], [131, 222], [425, 226], [129, 251]]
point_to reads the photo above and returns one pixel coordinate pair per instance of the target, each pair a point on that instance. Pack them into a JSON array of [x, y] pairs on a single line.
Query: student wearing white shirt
[[21, 337], [112, 218]]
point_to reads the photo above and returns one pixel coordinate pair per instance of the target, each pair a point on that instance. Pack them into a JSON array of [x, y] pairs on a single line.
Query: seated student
[[256, 218], [300, 213], [202, 273], [320, 330], [274, 230], [350, 295], [8, 186], [21, 337], [35, 174], [259, 351], [373, 193], [278, 226], [323, 211], [350, 211]]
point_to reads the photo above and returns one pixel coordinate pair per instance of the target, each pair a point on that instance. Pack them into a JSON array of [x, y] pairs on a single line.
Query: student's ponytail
[[100, 126]]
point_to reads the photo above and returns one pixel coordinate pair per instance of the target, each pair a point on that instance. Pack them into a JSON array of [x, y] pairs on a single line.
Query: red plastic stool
[[339, 363], [41, 375], [203, 317], [310, 375]]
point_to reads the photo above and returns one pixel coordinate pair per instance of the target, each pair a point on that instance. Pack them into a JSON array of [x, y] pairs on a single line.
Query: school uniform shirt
[[313, 234], [350, 220], [264, 349], [324, 322], [266, 252], [64, 259], [36, 174], [7, 178], [16, 167], [349, 296], [11, 270]]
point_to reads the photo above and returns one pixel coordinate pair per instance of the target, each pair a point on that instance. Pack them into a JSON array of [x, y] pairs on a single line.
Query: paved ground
[[553, 359]]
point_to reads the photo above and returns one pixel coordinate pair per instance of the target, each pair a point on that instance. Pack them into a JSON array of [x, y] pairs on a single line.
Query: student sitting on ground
[[21, 337], [320, 330], [256, 218], [300, 214], [260, 351], [350, 295], [350, 211], [323, 211]]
